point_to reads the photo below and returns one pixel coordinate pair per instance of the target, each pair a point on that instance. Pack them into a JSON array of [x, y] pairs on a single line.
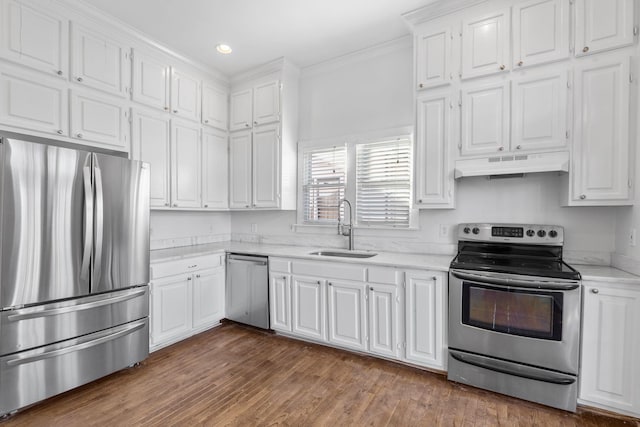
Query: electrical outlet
[[632, 237], [444, 230], [254, 228]]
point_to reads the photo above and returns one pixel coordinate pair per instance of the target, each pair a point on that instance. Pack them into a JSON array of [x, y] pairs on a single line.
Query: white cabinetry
[[99, 62], [255, 106], [151, 143], [100, 118], [214, 169], [185, 165], [241, 107], [433, 58], [34, 37], [309, 307], [384, 320], [215, 109], [601, 154], [185, 95], [151, 78], [610, 374], [603, 25], [425, 314], [485, 118], [187, 297], [266, 164], [540, 32], [240, 161], [347, 314], [485, 44], [280, 301]]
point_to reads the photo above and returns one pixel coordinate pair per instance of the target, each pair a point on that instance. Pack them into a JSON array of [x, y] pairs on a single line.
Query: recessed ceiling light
[[224, 49]]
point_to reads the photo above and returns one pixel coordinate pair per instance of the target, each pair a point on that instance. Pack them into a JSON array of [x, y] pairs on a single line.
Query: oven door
[[523, 319]]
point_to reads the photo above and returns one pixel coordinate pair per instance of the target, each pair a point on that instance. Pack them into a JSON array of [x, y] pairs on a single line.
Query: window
[[375, 175]]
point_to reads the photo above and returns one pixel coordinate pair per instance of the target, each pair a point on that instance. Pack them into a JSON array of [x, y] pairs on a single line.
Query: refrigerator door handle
[[88, 223], [99, 218]]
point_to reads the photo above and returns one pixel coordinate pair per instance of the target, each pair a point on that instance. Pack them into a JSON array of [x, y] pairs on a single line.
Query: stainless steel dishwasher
[[248, 290]]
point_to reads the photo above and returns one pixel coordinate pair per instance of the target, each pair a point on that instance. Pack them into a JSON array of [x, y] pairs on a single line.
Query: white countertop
[[600, 273]]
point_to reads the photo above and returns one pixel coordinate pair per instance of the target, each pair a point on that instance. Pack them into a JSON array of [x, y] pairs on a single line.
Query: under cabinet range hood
[[513, 164]]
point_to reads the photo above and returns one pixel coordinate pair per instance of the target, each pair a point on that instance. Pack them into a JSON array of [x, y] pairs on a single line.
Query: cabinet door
[[215, 156], [433, 58], [539, 111], [347, 314], [280, 300], [185, 164], [308, 304], [485, 44], [33, 101], [185, 95], [433, 177], [99, 62], [152, 144], [241, 106], [601, 144], [208, 297], [383, 320], [150, 81], [485, 119], [609, 372], [101, 119], [266, 152], [240, 170], [170, 309], [266, 103], [35, 38], [540, 32], [215, 109], [603, 25], [425, 314]]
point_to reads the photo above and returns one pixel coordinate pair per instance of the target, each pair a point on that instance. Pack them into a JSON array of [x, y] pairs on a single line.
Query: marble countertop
[[392, 259]]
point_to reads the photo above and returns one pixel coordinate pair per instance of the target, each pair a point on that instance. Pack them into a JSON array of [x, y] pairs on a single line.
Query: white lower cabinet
[[187, 297], [347, 314], [609, 370], [280, 301], [309, 307]]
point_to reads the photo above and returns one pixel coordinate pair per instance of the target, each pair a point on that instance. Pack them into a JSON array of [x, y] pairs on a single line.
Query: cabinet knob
[[166, 204], [246, 206], [255, 122], [175, 111], [518, 147], [166, 108], [501, 149], [59, 131], [502, 67], [189, 278], [594, 291], [206, 121], [370, 288], [420, 201], [520, 63], [79, 135], [175, 205], [582, 197], [198, 276], [79, 79], [421, 85], [585, 49], [59, 72], [206, 206], [320, 282], [246, 125]]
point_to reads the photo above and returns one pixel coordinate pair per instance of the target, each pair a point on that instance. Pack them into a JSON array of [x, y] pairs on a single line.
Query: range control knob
[[476, 230], [553, 234], [542, 233], [531, 233], [466, 230]]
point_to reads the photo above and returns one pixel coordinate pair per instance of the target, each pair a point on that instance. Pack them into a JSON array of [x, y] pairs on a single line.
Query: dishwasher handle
[[254, 259]]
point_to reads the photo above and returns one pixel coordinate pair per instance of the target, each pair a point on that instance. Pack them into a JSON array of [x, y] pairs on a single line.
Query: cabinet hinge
[[459, 102], [629, 183], [630, 78], [450, 105], [568, 85], [567, 134], [635, 30]]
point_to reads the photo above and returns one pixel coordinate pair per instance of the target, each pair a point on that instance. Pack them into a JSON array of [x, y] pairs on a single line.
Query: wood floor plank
[[238, 376]]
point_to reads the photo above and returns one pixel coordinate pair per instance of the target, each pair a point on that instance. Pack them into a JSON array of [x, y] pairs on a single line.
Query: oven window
[[535, 314]]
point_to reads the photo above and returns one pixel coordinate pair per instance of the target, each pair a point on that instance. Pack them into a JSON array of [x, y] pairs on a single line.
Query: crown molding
[[437, 9], [280, 65]]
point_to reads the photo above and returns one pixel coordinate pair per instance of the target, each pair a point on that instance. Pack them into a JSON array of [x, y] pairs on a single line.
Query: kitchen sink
[[344, 254]]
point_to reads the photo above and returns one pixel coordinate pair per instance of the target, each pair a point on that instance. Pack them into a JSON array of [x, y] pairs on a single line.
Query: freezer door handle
[[30, 313], [99, 228], [88, 223], [122, 331]]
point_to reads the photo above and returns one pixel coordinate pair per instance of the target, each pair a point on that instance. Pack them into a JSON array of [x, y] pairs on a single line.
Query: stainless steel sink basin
[[344, 254]]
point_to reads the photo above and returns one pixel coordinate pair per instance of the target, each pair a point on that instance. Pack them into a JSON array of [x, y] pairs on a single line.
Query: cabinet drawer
[[279, 265], [329, 270], [187, 265], [386, 275]]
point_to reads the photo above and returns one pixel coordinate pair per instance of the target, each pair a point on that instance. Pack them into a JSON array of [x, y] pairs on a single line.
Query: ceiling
[[305, 32]]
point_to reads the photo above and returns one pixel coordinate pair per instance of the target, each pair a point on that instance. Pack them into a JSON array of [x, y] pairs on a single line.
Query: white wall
[[173, 228], [373, 90]]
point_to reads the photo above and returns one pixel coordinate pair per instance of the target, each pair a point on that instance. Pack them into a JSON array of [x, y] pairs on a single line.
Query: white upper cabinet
[[485, 44], [485, 119], [433, 178], [600, 165], [540, 32], [214, 169], [433, 58], [266, 155], [30, 100], [266, 103], [185, 164], [152, 143], [240, 170], [100, 118], [241, 105], [35, 38], [150, 81], [185, 95], [99, 62], [215, 109], [539, 108], [603, 25]]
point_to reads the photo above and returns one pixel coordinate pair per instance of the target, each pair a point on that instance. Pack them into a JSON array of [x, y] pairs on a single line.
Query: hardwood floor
[[234, 375]]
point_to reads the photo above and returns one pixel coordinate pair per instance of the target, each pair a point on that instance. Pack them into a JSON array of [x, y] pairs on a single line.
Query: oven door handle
[[522, 371], [494, 279]]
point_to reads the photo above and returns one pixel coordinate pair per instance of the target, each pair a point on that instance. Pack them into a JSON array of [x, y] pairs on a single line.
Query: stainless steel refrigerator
[[74, 271]]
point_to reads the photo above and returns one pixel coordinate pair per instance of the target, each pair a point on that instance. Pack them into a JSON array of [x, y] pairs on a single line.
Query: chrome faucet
[[346, 229]]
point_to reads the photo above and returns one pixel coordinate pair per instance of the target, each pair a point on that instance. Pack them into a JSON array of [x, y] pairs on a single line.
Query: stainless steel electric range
[[514, 313]]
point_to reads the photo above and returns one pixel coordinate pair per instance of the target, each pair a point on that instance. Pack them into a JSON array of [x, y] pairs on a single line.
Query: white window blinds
[[323, 183], [383, 183]]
